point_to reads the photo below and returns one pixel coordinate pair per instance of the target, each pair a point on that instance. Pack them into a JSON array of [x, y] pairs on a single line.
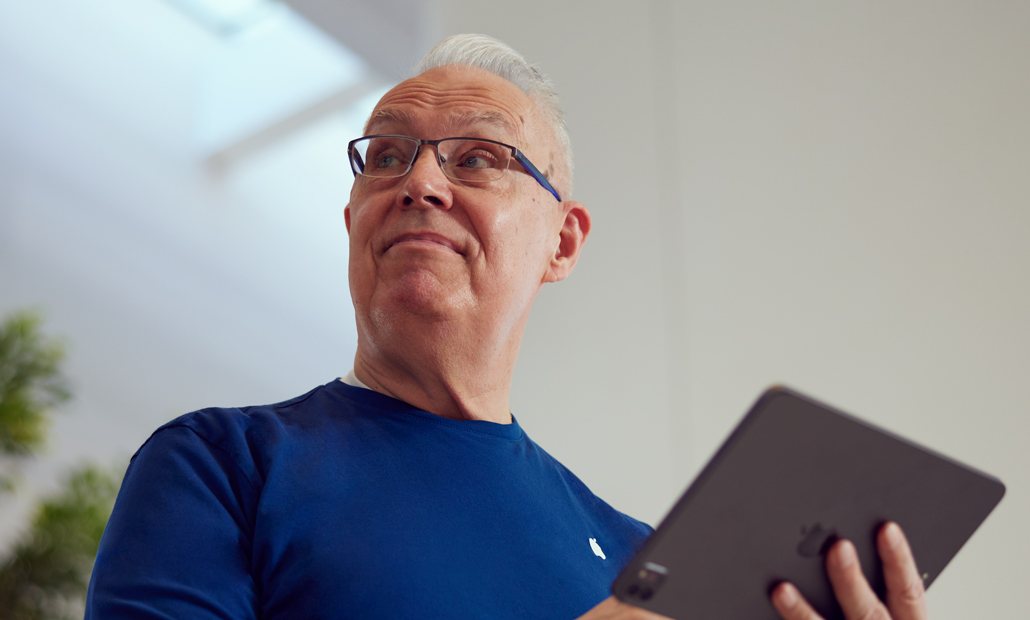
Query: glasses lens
[[473, 160], [383, 156]]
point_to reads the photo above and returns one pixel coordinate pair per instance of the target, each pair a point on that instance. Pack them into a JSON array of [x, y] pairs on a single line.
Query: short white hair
[[489, 54]]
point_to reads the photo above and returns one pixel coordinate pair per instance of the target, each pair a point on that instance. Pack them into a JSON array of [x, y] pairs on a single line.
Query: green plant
[[46, 575], [31, 385]]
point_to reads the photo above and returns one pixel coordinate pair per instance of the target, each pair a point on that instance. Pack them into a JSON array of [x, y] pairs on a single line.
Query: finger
[[791, 605], [905, 592], [856, 598], [612, 608]]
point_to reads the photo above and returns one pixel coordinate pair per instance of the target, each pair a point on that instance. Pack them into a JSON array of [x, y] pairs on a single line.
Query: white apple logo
[[597, 549]]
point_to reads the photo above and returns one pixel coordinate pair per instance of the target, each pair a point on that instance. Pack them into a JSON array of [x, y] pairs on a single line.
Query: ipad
[[793, 477]]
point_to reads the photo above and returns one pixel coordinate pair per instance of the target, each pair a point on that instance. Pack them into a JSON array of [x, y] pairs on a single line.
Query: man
[[408, 489]]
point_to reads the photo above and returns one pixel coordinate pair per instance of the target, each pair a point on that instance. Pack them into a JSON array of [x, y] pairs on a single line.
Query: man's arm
[[178, 543]]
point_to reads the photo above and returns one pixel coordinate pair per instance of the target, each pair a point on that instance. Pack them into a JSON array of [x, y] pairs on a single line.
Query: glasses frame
[[516, 154]]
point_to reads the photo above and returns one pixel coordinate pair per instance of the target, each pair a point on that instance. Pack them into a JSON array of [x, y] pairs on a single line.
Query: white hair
[[489, 54]]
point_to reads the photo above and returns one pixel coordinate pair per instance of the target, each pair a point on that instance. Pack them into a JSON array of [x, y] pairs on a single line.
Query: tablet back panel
[[793, 477]]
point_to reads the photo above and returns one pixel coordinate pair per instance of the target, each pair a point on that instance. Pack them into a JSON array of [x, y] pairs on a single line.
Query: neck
[[440, 369]]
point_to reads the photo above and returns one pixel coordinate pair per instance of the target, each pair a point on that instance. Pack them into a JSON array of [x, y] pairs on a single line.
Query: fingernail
[[845, 555], [788, 596], [894, 537]]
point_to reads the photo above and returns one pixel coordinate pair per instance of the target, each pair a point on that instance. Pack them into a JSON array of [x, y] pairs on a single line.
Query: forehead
[[446, 101]]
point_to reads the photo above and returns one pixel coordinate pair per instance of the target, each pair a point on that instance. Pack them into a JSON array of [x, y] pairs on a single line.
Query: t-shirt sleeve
[[178, 543]]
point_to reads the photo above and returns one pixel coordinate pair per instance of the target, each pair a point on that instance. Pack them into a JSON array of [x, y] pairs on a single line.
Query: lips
[[424, 239]]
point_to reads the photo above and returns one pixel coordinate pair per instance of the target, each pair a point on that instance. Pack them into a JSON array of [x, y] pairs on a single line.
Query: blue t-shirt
[[345, 503]]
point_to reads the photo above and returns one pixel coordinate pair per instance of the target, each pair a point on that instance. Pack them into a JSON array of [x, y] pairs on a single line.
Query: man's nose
[[425, 185]]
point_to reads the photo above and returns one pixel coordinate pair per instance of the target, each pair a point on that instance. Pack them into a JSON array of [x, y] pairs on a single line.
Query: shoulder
[[248, 438], [223, 426], [218, 425]]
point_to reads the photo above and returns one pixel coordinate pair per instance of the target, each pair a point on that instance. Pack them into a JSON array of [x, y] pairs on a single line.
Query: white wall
[[829, 195]]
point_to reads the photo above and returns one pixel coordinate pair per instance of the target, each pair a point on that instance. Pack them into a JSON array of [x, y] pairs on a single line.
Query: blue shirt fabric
[[345, 503]]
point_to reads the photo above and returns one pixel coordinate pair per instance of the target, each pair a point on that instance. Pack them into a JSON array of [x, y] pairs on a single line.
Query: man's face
[[428, 245]]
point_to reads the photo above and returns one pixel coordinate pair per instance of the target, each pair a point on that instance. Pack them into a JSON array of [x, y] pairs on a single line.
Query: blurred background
[[831, 195]]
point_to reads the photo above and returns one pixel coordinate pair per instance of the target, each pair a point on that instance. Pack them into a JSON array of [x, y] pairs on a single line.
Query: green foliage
[[46, 576], [31, 383]]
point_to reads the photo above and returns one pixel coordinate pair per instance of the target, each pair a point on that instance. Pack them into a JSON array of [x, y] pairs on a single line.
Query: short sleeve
[[178, 543]]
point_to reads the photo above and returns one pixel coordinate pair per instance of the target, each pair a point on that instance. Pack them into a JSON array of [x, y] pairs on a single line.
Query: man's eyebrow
[[387, 115], [495, 119], [468, 119]]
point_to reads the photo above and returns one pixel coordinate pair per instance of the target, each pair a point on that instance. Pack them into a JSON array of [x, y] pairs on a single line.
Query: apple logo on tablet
[[816, 540]]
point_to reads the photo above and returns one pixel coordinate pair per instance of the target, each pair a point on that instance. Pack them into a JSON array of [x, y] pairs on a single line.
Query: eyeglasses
[[470, 160]]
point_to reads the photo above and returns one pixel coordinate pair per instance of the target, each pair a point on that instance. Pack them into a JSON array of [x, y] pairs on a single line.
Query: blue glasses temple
[[536, 174]]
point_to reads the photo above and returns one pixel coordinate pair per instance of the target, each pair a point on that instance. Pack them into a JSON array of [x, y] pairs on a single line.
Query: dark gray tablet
[[794, 476]]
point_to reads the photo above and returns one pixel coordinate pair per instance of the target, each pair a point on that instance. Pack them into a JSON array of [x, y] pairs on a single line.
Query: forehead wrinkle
[[429, 94], [458, 125], [461, 104]]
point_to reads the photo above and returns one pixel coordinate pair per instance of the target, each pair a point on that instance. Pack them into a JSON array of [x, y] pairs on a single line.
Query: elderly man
[[408, 490]]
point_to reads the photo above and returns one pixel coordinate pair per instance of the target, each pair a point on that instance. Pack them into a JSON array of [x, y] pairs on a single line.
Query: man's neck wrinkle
[[432, 392]]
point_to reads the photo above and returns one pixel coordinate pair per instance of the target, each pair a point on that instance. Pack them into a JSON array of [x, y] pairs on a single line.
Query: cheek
[[518, 242], [360, 262], [364, 218]]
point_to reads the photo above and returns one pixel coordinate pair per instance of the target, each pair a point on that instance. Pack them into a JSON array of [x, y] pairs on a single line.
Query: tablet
[[793, 477]]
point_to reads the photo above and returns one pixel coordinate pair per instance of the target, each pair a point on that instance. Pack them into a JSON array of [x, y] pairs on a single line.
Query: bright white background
[[826, 194]]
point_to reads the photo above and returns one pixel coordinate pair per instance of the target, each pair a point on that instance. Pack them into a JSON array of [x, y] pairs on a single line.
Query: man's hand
[[905, 600], [612, 608]]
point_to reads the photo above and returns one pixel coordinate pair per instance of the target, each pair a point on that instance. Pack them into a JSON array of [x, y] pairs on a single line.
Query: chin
[[421, 294]]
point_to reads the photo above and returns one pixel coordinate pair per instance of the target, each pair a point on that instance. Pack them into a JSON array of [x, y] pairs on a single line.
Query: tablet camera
[[646, 582]]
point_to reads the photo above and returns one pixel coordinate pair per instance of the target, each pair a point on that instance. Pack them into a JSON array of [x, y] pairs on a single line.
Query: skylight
[[227, 16], [267, 74]]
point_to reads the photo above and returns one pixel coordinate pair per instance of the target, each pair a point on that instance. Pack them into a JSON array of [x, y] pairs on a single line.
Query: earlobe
[[346, 217], [573, 234]]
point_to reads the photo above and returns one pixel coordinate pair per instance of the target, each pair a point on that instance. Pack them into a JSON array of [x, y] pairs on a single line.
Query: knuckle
[[875, 612], [912, 592], [804, 612]]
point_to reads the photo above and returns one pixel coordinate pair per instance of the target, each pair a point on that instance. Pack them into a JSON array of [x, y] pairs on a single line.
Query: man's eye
[[476, 160], [387, 159]]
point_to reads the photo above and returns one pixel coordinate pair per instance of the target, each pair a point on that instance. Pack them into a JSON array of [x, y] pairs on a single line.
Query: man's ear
[[574, 231], [346, 217]]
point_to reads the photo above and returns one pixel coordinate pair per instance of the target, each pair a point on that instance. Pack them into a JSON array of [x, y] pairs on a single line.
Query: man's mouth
[[424, 239]]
